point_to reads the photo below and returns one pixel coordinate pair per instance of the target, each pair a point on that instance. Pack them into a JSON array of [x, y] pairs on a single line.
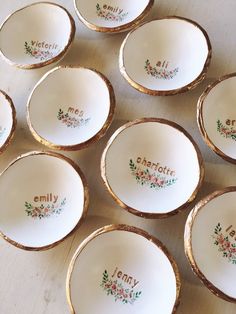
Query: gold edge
[[93, 139], [133, 210], [200, 119], [188, 242], [118, 29], [172, 92], [85, 206], [14, 122], [68, 285], [127, 228], [52, 60]]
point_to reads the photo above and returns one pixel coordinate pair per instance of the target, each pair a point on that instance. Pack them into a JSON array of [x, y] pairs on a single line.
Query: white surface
[[40, 26], [220, 105], [152, 147], [34, 283], [133, 255], [6, 120], [169, 45], [113, 13], [29, 180], [69, 89], [219, 270]]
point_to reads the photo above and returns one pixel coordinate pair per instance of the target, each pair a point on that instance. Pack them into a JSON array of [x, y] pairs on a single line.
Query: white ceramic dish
[[44, 196], [122, 269], [112, 16], [36, 35], [70, 108], [210, 242], [7, 120], [152, 167], [217, 116], [166, 56]]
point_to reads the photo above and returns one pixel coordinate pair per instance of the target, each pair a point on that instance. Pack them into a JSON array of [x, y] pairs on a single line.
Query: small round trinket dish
[[124, 270], [7, 120], [210, 242], [44, 197], [152, 167], [70, 108], [36, 35], [217, 117], [166, 56], [112, 16]]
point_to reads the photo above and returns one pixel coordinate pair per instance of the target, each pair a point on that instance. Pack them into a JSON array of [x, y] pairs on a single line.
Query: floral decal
[[44, 211], [227, 132], [227, 248], [2, 131], [71, 122], [160, 73], [38, 53], [110, 16], [116, 289], [152, 180]]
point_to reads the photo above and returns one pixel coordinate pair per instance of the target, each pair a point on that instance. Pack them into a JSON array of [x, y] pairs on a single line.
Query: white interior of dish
[[44, 28], [175, 49], [219, 110], [157, 143], [219, 270], [6, 121], [110, 13], [40, 176], [132, 255], [79, 93]]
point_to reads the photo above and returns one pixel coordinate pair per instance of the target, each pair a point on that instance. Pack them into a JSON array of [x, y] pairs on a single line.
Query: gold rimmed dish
[[165, 57], [133, 273], [145, 170], [112, 16], [44, 197], [70, 107], [216, 116], [36, 35], [210, 242], [7, 120]]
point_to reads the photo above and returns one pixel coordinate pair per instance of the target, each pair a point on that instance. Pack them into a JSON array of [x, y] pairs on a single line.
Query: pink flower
[[37, 210], [154, 179]]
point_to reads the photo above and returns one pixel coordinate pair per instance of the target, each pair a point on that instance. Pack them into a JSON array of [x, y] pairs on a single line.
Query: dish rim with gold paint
[[188, 242], [96, 137], [123, 228], [155, 92], [137, 212], [77, 169], [57, 57], [14, 122], [200, 119], [115, 29]]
